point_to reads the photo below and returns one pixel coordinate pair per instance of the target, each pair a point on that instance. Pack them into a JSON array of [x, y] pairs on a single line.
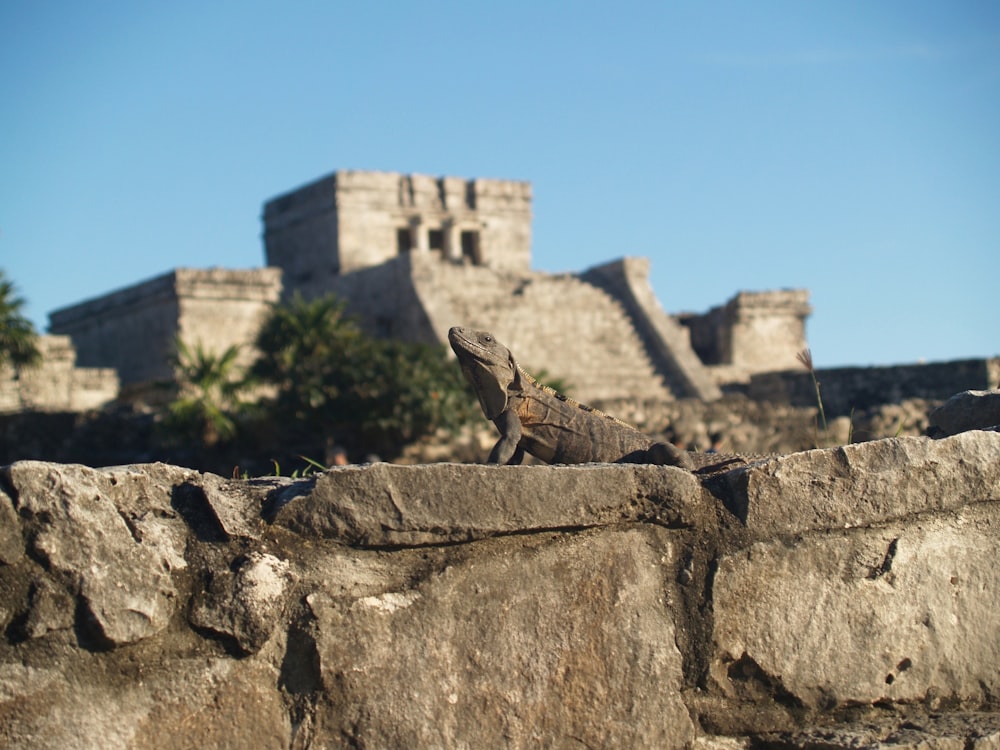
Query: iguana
[[534, 418]]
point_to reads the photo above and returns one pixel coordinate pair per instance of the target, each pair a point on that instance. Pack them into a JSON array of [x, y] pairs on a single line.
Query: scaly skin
[[546, 424]]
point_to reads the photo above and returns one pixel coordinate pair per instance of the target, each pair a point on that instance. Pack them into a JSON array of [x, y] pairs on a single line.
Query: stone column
[[418, 239], [452, 246]]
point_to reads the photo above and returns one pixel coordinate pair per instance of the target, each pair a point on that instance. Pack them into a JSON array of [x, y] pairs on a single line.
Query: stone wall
[[221, 307], [847, 389], [384, 300], [133, 330], [56, 383], [836, 598], [300, 235]]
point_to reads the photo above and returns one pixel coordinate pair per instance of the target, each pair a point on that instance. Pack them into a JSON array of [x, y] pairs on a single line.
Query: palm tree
[[208, 398], [333, 385], [308, 351], [18, 340]]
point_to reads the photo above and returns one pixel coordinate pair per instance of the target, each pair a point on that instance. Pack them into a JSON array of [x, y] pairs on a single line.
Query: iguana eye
[[488, 339]]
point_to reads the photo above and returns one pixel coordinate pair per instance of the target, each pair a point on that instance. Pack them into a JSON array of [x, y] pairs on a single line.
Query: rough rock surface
[[969, 410], [915, 607], [87, 529], [864, 483], [827, 599], [386, 506], [562, 640]]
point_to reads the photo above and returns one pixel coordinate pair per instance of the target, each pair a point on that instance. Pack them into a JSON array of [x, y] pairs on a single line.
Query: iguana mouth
[[471, 346]]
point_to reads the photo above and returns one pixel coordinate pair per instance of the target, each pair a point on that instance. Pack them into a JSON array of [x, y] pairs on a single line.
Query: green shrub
[[333, 385]]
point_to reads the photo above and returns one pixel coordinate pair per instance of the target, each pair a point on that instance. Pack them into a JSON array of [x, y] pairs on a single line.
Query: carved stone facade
[[351, 220], [134, 329], [56, 383]]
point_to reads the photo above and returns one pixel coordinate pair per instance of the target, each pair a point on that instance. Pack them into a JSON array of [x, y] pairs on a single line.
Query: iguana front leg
[[508, 449]]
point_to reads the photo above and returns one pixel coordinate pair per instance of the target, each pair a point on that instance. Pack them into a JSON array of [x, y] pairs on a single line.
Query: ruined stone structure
[[134, 329], [753, 332], [56, 383], [414, 255], [562, 324], [352, 220]]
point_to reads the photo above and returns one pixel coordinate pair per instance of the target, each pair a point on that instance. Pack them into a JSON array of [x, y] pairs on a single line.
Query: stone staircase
[[561, 324]]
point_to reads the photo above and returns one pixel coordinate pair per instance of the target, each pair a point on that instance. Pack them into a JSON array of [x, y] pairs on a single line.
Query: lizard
[[534, 418]]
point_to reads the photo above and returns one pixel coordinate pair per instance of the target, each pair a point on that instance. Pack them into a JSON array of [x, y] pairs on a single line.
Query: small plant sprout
[[806, 358], [314, 465]]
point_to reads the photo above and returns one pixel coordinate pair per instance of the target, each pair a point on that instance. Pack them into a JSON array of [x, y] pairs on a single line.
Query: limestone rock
[[895, 613], [51, 608], [235, 504], [246, 605], [829, 599], [86, 542], [386, 505], [11, 544], [862, 484], [222, 703], [969, 410], [183, 703], [147, 497], [566, 641]]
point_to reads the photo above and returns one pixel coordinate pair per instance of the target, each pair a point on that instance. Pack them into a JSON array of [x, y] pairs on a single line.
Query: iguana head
[[488, 365]]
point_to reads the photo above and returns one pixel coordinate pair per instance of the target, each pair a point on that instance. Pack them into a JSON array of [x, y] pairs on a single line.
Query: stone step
[[561, 324]]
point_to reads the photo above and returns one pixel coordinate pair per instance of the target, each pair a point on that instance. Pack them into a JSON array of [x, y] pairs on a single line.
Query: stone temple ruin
[[133, 330], [413, 255]]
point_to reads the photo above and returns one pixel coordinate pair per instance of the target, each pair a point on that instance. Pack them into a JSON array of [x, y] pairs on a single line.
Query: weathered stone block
[[51, 608], [525, 643], [902, 612], [182, 703], [969, 410], [866, 483], [234, 504], [386, 505], [86, 541], [247, 604]]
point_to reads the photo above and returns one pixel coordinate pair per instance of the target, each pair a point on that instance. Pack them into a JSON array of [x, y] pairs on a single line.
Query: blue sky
[[851, 148]]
